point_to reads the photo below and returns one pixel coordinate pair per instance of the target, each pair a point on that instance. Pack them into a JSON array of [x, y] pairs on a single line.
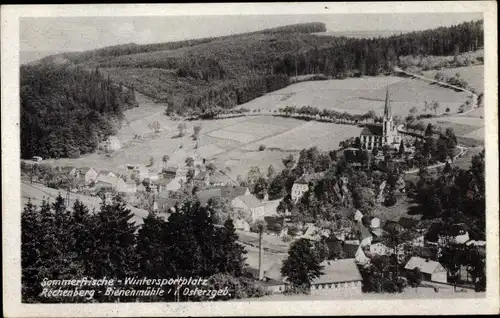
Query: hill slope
[[231, 70]]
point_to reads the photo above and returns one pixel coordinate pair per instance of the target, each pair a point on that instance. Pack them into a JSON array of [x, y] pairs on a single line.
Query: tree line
[[58, 243], [66, 112]]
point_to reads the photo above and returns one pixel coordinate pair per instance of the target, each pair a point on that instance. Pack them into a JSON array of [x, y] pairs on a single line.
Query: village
[[160, 186]]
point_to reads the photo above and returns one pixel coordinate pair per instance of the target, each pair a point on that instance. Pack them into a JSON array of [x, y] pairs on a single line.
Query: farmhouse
[[249, 203], [301, 185], [107, 173], [112, 144], [431, 270], [376, 135], [457, 234], [341, 277], [88, 174], [230, 192]]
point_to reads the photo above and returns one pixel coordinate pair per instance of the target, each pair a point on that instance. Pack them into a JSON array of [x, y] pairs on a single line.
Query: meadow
[[360, 95], [473, 75]]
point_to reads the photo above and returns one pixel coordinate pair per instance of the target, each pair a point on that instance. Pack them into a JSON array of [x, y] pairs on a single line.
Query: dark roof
[[306, 178], [350, 250], [231, 192], [407, 223], [339, 271], [372, 130], [205, 195], [201, 176], [250, 200], [391, 226]]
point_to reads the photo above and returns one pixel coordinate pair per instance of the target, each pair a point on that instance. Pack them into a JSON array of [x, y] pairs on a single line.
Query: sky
[[84, 33]]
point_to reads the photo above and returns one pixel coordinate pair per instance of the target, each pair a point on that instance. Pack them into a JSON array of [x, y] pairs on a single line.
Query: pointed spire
[[387, 108]]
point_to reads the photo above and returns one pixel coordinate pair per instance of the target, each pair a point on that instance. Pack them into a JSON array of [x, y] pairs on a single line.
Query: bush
[[262, 147]]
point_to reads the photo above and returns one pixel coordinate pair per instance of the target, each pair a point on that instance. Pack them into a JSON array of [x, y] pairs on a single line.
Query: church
[[379, 135]]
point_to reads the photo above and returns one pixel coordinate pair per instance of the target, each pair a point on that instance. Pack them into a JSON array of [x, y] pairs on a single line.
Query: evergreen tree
[[233, 253], [302, 265]]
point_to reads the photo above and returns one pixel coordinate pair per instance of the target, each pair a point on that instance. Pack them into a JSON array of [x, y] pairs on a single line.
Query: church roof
[[372, 130]]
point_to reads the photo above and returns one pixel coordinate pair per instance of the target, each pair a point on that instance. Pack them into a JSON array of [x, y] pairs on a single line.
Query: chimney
[[261, 252]]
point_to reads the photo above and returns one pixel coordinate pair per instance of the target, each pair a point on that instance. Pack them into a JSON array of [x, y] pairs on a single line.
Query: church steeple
[[387, 108]]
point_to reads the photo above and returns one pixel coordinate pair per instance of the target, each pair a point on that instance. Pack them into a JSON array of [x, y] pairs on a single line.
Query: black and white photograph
[[243, 159]]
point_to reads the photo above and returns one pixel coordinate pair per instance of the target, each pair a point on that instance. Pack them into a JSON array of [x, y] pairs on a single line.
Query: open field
[[463, 126], [325, 136], [473, 75], [359, 95]]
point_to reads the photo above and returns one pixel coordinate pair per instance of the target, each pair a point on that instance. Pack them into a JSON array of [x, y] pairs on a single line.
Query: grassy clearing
[[325, 136], [473, 75], [359, 95]]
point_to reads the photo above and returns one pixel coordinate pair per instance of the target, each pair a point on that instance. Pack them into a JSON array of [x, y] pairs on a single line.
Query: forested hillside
[[199, 75], [231, 70], [65, 112]]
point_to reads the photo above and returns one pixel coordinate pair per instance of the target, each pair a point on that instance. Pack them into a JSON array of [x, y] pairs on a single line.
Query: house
[[170, 172], [457, 234], [379, 135], [218, 179], [431, 270], [141, 188], [273, 281], [70, 171], [358, 216], [87, 174], [162, 183], [140, 172], [175, 184], [379, 248], [37, 158], [107, 173], [251, 204], [112, 143], [241, 225], [341, 277], [105, 182], [205, 195], [393, 227], [312, 232], [126, 187], [202, 179], [301, 185], [231, 191]]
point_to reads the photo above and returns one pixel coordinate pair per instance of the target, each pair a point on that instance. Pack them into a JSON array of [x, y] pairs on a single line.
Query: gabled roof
[[250, 201], [339, 271], [163, 181], [205, 195], [306, 178], [372, 130], [107, 179], [104, 172], [84, 170], [231, 192], [201, 176], [425, 266], [67, 168]]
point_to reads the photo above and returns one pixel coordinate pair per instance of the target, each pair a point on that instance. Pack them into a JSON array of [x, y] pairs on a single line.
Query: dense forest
[[66, 112], [58, 243]]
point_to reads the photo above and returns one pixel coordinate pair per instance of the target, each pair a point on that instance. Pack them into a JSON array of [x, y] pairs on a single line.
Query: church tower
[[388, 128]]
